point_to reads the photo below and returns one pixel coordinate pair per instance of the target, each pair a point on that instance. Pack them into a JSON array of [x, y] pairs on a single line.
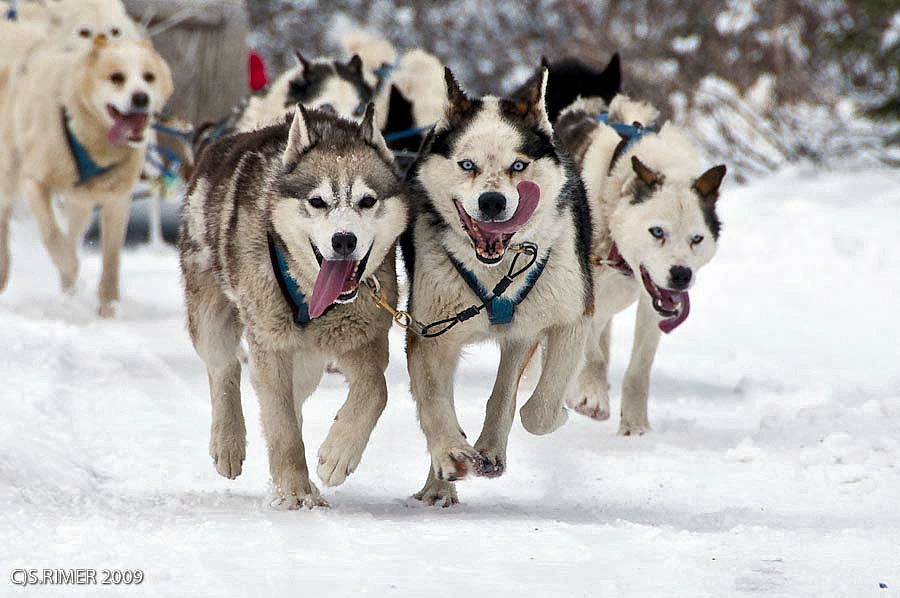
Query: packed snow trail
[[773, 468]]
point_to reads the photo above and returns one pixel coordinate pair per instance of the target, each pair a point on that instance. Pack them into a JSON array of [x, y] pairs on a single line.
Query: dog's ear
[[458, 105], [645, 174], [355, 64], [300, 138], [370, 133], [611, 79], [530, 103], [707, 186], [303, 62]]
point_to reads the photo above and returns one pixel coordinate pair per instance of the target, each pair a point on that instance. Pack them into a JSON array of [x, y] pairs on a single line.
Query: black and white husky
[[493, 188], [655, 226]]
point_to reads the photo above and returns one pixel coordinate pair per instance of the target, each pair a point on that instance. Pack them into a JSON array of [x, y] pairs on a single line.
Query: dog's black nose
[[491, 204], [679, 277], [343, 243], [139, 99]]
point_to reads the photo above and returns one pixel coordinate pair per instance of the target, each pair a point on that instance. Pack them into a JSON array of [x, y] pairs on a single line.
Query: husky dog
[[280, 228], [75, 124], [571, 78], [655, 226], [491, 180], [322, 84]]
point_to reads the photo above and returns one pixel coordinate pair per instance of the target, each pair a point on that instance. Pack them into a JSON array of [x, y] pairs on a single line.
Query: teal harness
[[87, 168], [501, 310]]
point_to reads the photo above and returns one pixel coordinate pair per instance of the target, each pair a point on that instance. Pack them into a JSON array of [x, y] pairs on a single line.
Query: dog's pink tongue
[[684, 311], [329, 284], [124, 126], [529, 196]]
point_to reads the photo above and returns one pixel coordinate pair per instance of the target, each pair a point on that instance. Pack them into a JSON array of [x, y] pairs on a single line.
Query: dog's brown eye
[[367, 201], [317, 202], [149, 77], [115, 32], [117, 78], [84, 32]]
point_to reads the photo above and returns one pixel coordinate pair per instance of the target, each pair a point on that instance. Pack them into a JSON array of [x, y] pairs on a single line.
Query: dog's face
[[330, 86], [78, 22], [125, 83], [491, 170], [667, 229], [338, 203]]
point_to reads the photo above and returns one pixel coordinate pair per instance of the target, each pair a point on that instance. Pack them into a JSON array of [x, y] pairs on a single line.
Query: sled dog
[[494, 196], [281, 228], [74, 124], [655, 226]]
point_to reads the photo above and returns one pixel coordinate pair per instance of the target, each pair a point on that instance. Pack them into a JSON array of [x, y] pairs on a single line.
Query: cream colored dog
[[74, 123]]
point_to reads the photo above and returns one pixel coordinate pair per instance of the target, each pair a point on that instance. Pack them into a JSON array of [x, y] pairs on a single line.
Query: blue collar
[[84, 164], [501, 310], [288, 285], [630, 135]]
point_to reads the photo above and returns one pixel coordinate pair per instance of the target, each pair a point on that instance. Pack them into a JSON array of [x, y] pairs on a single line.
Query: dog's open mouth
[[337, 282], [127, 126], [491, 238], [673, 306]]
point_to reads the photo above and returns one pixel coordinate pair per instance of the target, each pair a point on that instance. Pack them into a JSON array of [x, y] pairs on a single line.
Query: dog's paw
[[542, 417], [454, 462], [337, 462], [297, 493], [228, 456], [633, 429], [107, 310], [590, 407], [67, 283], [437, 493], [492, 463]]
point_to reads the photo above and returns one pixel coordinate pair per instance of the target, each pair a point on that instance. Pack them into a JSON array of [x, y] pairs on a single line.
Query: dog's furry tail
[[374, 52], [623, 109]]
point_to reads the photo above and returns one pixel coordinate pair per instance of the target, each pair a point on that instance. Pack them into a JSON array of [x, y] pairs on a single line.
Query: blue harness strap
[[501, 310], [407, 133], [630, 135], [289, 287], [84, 164]]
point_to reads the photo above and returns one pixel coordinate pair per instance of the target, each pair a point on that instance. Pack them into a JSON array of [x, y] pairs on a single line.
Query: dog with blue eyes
[[499, 250], [655, 225]]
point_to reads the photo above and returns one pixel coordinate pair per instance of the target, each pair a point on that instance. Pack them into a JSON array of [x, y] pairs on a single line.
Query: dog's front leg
[[636, 384], [343, 447], [501, 407], [5, 215], [591, 393], [544, 412], [64, 259], [113, 225], [78, 218], [432, 364], [272, 377]]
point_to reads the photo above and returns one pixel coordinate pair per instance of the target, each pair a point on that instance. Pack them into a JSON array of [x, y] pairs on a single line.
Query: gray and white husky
[[280, 228], [655, 226], [491, 182]]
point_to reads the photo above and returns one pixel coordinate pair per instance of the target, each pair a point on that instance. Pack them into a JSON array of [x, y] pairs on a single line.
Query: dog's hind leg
[[272, 376], [343, 447], [544, 412], [437, 492], [113, 226], [5, 214], [591, 394], [54, 240], [216, 331], [636, 384], [501, 408]]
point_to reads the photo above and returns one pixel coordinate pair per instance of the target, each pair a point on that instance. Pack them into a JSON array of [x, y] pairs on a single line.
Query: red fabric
[[258, 76]]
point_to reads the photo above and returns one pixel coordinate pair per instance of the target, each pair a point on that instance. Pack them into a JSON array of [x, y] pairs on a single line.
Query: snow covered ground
[[773, 468]]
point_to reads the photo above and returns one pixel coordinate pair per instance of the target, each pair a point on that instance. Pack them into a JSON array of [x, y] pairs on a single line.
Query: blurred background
[[762, 83]]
